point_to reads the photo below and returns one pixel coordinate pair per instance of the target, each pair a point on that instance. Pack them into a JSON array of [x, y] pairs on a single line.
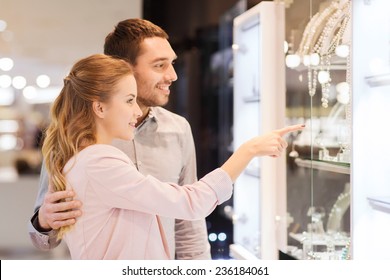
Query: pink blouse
[[121, 207]]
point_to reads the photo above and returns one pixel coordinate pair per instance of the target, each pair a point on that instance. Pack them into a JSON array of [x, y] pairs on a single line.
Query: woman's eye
[[130, 100]]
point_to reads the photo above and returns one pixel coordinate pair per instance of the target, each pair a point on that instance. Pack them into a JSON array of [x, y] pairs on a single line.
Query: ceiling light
[[5, 81], [6, 63], [19, 82], [43, 81], [30, 92]]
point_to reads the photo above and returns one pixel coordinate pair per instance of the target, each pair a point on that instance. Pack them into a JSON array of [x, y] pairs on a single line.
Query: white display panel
[[371, 115], [247, 125], [259, 103]]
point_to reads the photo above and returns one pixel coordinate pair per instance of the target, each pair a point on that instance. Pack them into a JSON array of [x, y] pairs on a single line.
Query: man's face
[[154, 72]]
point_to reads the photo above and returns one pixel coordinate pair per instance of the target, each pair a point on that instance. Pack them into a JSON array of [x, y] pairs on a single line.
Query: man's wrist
[[36, 224]]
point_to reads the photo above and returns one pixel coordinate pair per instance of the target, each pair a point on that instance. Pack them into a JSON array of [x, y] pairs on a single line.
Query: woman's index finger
[[289, 129]]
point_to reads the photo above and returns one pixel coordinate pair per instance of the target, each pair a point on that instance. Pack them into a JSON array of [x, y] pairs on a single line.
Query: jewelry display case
[[318, 92], [336, 169], [330, 197]]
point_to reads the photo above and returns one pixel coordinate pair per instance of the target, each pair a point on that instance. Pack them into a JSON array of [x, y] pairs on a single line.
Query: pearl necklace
[[314, 27], [332, 25], [311, 33], [337, 16], [329, 40]]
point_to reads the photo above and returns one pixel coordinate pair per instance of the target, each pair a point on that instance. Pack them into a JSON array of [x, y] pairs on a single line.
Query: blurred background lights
[[6, 63], [19, 82], [213, 237], [5, 81], [222, 236], [343, 92], [323, 77], [342, 50], [29, 92], [314, 59], [3, 25], [7, 36], [9, 126], [293, 60], [306, 60], [8, 142], [43, 81], [285, 46], [7, 97]]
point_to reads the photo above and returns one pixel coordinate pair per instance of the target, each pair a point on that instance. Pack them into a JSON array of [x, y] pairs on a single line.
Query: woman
[[121, 207]]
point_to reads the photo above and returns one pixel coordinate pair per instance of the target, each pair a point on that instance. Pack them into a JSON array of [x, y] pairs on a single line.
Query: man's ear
[[98, 109]]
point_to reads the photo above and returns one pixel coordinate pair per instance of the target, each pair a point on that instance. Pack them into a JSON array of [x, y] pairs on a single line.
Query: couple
[[123, 205]]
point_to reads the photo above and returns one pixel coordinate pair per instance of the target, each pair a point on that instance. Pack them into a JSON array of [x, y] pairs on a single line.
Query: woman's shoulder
[[97, 155], [98, 151]]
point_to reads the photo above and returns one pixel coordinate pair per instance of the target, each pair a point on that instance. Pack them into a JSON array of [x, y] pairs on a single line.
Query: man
[[163, 146]]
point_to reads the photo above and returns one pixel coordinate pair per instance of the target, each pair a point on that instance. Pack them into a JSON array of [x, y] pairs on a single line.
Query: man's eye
[[130, 100]]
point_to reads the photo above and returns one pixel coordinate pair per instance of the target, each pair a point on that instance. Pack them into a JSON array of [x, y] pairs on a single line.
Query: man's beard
[[150, 102]]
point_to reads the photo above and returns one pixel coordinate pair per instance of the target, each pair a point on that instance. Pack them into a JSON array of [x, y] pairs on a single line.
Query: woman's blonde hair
[[72, 125]]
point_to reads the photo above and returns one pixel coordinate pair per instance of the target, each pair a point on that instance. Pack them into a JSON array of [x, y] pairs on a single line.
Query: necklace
[[314, 27], [312, 32], [331, 38], [337, 17]]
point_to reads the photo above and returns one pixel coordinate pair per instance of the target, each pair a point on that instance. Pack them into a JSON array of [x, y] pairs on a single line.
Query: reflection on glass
[[343, 140]]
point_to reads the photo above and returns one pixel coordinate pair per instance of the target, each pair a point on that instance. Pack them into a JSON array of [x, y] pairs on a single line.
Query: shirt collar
[[152, 116]]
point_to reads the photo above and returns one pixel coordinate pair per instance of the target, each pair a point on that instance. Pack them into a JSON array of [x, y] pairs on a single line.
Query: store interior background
[[51, 35]]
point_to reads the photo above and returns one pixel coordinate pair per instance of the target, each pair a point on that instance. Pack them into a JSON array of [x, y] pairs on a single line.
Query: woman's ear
[[98, 109]]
